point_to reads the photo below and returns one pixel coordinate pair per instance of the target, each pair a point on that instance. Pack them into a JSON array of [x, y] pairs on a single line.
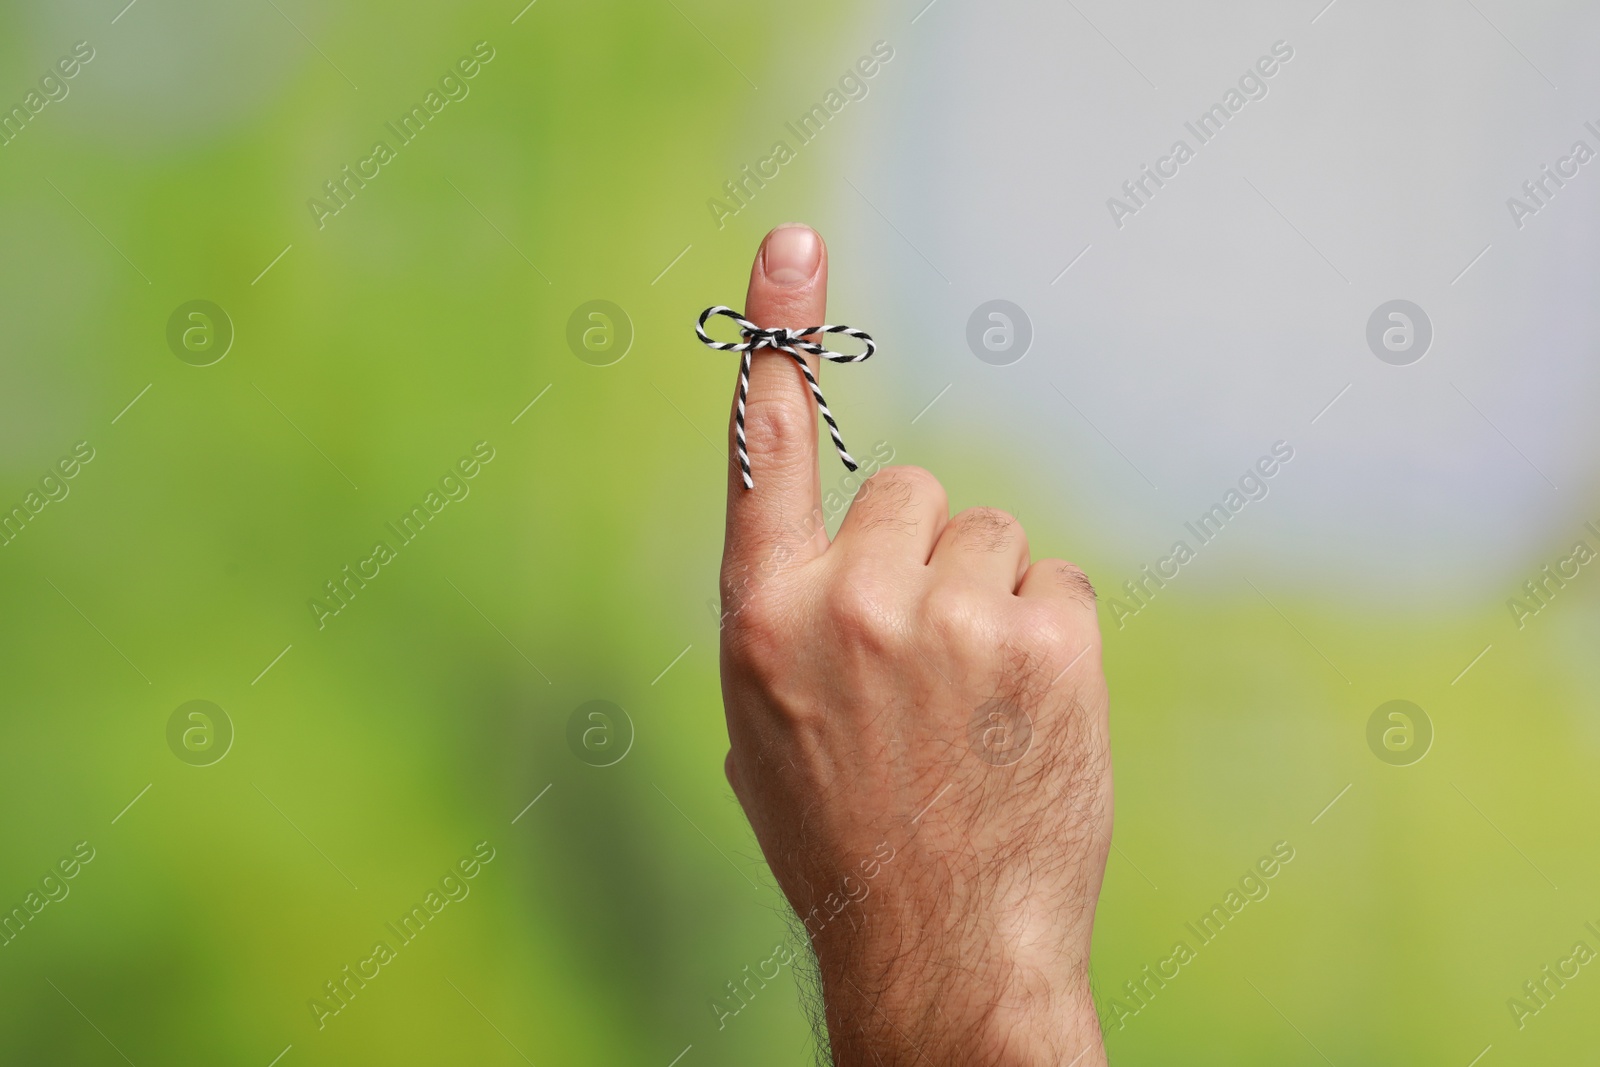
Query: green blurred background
[[370, 755]]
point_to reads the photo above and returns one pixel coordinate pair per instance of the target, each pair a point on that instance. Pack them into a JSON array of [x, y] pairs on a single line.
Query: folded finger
[[982, 545]]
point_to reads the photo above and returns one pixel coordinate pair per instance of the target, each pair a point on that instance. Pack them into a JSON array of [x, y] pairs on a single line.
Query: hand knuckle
[[859, 616], [955, 614], [1043, 625], [755, 626]]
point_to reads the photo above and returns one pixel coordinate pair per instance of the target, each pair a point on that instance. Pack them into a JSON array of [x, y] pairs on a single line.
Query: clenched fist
[[917, 721]]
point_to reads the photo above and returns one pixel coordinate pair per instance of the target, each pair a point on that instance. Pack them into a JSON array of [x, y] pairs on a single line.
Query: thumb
[[789, 288]]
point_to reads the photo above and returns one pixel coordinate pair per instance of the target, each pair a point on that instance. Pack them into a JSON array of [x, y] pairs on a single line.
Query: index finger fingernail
[[791, 255]]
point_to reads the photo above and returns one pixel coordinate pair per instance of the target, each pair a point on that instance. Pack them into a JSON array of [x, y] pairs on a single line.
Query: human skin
[[912, 689]]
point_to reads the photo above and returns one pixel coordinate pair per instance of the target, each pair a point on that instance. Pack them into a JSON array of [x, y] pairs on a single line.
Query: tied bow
[[792, 343]]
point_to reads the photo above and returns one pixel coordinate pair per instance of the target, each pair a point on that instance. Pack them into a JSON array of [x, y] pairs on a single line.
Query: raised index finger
[[782, 514]]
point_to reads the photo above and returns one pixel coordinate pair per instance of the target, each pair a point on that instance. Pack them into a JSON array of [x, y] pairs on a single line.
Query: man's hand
[[918, 734]]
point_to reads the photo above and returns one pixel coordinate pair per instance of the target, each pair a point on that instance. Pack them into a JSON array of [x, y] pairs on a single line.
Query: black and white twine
[[792, 343]]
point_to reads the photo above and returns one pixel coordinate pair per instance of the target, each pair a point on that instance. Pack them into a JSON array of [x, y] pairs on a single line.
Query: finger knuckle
[[776, 427], [989, 529], [1071, 578], [893, 497], [918, 480], [881, 500]]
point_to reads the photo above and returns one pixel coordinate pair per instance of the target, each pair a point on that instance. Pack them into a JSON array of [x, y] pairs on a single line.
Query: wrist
[[983, 1007]]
